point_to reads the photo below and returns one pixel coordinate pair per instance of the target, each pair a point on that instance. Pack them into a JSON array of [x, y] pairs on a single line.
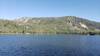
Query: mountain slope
[[66, 24]]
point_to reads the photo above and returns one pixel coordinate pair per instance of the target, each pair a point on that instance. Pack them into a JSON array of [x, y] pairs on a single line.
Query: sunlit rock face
[[84, 26]]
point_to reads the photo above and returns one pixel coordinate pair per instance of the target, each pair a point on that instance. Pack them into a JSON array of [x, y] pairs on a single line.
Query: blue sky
[[89, 9]]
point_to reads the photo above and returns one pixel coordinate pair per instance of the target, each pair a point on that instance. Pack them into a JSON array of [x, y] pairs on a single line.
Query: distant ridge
[[63, 25]]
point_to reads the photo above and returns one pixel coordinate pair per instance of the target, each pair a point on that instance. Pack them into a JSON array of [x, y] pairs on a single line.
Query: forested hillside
[[55, 25]]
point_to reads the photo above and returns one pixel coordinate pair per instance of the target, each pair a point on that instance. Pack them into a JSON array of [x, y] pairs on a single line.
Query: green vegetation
[[55, 25]]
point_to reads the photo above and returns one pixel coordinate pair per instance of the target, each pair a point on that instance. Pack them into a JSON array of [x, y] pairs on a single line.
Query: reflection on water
[[38, 51], [49, 45]]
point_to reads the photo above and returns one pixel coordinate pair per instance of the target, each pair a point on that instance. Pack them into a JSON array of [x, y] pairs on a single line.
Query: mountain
[[56, 25]]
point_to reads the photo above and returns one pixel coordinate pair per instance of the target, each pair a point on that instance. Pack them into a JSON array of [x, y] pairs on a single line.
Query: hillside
[[56, 25]]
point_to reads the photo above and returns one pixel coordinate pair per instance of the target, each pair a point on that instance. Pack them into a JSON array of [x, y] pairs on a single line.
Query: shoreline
[[49, 33]]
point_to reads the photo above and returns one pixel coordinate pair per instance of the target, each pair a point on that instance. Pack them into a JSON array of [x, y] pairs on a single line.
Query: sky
[[11, 9]]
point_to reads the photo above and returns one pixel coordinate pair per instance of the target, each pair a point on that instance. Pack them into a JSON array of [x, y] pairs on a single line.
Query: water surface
[[49, 45]]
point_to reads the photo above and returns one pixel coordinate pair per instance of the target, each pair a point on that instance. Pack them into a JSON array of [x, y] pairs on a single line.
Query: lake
[[49, 45]]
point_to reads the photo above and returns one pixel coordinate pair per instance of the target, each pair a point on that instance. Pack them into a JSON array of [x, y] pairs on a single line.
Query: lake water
[[49, 45]]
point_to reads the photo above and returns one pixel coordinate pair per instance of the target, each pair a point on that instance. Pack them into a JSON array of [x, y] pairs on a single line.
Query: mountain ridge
[[64, 24]]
